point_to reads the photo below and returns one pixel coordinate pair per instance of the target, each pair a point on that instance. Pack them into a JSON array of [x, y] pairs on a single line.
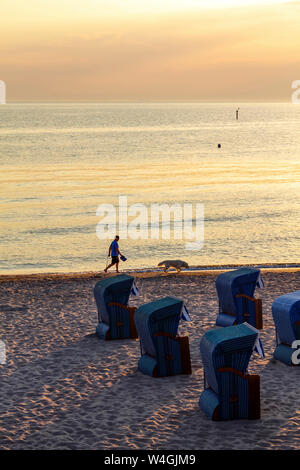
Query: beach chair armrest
[[125, 307], [233, 371], [244, 296], [162, 333]]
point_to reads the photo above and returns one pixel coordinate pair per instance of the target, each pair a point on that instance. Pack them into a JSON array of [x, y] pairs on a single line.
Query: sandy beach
[[63, 388]]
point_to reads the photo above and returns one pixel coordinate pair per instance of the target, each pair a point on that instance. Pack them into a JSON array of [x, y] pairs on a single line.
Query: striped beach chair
[[286, 315], [115, 317], [229, 391], [163, 353], [236, 298]]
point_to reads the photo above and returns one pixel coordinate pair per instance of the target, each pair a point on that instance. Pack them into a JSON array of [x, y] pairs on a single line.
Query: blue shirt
[[114, 248]]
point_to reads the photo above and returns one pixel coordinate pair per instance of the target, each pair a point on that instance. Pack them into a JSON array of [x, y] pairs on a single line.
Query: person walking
[[114, 252]]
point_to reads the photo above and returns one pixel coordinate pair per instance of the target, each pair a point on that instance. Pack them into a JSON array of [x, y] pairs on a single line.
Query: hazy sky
[[212, 50]]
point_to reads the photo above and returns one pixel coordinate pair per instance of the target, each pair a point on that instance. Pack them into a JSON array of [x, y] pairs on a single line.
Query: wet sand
[[63, 388]]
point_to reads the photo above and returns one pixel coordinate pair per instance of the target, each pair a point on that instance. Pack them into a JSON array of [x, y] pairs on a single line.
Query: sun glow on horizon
[[164, 49]]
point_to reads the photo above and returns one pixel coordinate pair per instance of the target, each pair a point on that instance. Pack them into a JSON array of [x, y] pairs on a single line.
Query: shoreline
[[150, 272]]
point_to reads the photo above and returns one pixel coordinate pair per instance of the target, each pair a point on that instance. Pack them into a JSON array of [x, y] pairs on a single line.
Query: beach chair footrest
[[284, 353], [102, 330], [224, 319], [209, 403], [148, 365]]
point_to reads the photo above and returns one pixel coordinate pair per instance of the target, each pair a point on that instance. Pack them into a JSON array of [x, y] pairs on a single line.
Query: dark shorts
[[115, 259]]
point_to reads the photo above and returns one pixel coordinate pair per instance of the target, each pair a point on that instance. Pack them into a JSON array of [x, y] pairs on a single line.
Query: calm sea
[[60, 161]]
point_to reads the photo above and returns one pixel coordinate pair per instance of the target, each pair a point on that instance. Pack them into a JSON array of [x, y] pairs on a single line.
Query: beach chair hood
[[112, 289]]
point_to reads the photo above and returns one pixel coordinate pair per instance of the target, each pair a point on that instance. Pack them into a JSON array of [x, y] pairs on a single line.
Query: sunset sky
[[160, 50]]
